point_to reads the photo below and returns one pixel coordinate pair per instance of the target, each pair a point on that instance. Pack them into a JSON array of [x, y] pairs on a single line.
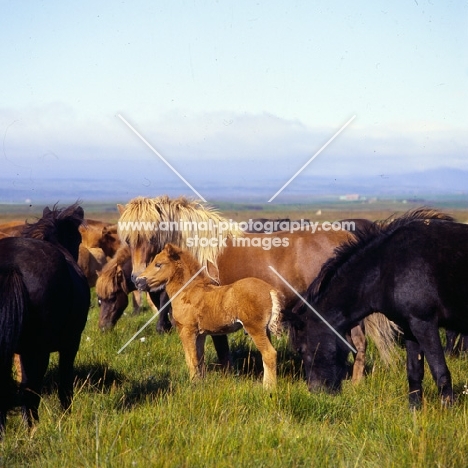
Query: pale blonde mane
[[159, 212]]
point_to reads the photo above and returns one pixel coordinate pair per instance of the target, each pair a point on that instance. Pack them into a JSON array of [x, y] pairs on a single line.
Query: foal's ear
[[172, 251], [121, 208]]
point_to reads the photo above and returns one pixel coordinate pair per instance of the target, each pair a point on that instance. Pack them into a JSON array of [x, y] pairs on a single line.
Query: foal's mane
[[362, 240], [48, 227], [185, 257], [203, 219], [107, 282]]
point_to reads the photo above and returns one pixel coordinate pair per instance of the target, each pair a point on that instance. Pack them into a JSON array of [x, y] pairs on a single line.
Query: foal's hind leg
[[268, 352], [358, 339]]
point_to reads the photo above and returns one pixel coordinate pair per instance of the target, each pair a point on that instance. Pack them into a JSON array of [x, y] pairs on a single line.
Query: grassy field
[[138, 408]]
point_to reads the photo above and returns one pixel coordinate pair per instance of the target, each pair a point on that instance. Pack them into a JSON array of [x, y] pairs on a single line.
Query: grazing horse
[[113, 287], [414, 270], [146, 225], [44, 302], [200, 308]]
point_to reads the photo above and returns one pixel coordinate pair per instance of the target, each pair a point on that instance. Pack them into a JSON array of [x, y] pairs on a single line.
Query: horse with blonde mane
[[200, 308], [146, 225]]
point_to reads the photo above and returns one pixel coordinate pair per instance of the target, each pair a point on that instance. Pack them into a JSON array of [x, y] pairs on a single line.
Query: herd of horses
[[404, 275]]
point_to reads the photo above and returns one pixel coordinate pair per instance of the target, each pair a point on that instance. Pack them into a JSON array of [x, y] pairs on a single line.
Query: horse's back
[[58, 295], [298, 259], [428, 262]]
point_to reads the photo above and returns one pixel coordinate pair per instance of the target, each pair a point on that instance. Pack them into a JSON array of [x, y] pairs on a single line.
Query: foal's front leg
[[191, 344]]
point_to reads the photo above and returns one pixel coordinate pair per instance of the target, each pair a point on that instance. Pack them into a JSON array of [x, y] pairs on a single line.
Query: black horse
[[44, 302], [414, 270]]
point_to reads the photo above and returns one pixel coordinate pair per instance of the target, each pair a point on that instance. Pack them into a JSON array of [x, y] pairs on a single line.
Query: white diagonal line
[[313, 310], [161, 309], [312, 158], [158, 155]]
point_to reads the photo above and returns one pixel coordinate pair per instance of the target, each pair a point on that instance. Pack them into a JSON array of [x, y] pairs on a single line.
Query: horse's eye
[[99, 301], [158, 265]]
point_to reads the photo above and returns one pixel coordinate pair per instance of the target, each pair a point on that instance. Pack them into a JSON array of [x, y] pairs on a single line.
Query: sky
[[231, 91]]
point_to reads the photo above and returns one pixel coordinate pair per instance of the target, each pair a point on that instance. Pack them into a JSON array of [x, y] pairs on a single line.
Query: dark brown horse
[[44, 302], [414, 270], [229, 254]]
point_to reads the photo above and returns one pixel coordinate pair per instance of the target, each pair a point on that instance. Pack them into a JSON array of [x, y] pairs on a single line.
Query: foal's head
[[172, 263]]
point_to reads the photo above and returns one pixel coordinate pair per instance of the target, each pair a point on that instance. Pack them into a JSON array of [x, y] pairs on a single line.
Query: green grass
[[138, 408]]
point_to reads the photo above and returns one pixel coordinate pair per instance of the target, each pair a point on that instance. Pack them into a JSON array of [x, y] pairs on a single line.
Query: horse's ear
[[121, 208], [292, 320], [173, 251], [79, 212], [119, 274], [46, 211]]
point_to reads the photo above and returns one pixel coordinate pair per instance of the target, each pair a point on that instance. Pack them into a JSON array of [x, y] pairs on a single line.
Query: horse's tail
[[274, 324], [383, 333], [13, 302]]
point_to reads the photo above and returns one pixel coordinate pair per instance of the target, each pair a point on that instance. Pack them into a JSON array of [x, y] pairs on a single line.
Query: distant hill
[[443, 181]]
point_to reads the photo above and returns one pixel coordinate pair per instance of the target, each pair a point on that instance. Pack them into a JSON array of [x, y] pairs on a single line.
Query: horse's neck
[[352, 297], [183, 278]]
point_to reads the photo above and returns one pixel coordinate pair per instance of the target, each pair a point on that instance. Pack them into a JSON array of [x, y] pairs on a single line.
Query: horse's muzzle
[[141, 283]]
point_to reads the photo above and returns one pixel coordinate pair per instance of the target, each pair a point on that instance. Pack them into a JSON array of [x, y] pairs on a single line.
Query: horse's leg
[[201, 354], [163, 324], [151, 304], [136, 301], [268, 352], [358, 339], [66, 373], [414, 371], [451, 343], [221, 345], [189, 339], [428, 338], [34, 366]]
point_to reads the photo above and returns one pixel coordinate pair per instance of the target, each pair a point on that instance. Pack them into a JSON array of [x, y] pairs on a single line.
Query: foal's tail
[[274, 324], [13, 301], [383, 333]]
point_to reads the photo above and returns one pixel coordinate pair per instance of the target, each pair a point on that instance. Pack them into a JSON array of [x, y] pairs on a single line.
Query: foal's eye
[[99, 301], [158, 265]]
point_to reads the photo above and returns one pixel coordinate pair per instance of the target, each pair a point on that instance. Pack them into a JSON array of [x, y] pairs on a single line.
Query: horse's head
[[112, 296], [109, 241], [160, 271], [58, 226], [322, 352], [146, 225]]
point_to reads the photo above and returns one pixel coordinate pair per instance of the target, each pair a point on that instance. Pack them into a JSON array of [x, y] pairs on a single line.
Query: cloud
[[54, 140]]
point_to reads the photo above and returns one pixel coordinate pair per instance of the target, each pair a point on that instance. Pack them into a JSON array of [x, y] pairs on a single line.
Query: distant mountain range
[[443, 181]]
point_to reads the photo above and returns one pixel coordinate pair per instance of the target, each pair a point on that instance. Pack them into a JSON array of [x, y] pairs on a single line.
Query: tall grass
[[138, 408]]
